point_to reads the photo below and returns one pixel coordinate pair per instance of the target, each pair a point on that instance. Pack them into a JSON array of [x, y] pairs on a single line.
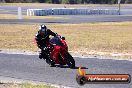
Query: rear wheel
[[70, 61]]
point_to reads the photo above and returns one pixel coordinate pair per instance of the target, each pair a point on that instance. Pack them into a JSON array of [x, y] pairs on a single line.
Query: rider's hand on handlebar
[[56, 34], [45, 48], [62, 37]]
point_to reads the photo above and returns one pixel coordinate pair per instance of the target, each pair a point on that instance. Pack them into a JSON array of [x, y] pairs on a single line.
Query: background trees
[[70, 1]]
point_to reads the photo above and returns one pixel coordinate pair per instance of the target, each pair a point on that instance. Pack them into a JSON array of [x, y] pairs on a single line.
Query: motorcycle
[[59, 54]]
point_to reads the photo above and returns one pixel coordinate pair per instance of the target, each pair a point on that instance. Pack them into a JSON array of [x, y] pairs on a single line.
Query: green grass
[[24, 85], [29, 85]]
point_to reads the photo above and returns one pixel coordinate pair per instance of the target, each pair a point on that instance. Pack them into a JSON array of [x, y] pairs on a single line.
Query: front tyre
[[70, 61], [50, 62]]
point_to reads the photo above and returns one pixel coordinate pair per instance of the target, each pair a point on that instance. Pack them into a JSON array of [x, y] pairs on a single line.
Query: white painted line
[[112, 56]]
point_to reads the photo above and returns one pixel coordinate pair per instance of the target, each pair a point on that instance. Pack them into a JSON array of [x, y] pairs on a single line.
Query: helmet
[[42, 29]]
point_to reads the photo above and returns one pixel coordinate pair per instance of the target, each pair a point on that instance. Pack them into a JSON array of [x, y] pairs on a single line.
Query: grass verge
[[59, 5], [110, 37], [29, 85], [24, 85], [12, 16]]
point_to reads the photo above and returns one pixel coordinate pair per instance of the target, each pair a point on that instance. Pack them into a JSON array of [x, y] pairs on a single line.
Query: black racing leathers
[[42, 41]]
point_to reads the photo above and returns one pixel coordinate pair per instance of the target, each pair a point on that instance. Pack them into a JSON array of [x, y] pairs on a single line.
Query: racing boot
[[40, 55], [50, 61]]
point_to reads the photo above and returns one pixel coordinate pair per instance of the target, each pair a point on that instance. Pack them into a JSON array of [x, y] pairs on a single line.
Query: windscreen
[[56, 41]]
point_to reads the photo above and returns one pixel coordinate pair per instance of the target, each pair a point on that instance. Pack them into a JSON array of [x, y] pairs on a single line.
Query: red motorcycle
[[59, 52]]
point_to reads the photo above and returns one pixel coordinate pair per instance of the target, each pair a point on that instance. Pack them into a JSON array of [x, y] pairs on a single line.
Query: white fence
[[71, 11]]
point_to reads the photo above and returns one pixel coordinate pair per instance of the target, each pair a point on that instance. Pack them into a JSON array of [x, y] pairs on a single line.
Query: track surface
[[30, 67], [13, 9], [126, 11], [69, 20]]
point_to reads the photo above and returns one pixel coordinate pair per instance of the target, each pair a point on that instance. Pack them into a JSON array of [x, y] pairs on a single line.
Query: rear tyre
[[70, 61]]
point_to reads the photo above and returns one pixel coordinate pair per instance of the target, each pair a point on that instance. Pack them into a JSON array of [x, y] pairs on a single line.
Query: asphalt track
[[126, 15], [30, 67], [69, 20], [125, 10]]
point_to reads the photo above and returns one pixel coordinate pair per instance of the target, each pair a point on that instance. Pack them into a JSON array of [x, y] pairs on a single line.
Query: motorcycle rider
[[42, 38]]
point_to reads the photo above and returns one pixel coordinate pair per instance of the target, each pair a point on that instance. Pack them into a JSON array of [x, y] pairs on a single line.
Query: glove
[[63, 38], [45, 48], [56, 34]]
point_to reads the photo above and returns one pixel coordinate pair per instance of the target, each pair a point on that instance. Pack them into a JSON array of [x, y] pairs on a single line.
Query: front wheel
[[50, 62], [70, 61]]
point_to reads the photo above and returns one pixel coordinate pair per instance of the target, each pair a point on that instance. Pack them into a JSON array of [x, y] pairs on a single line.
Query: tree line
[[68, 1]]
